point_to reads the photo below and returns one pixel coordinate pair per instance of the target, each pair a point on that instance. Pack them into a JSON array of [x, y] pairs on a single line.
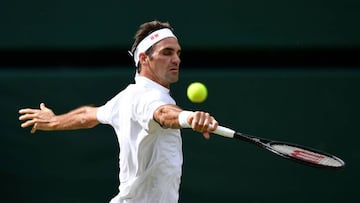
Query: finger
[[198, 121], [27, 117], [206, 135], [193, 120], [42, 106], [207, 122], [213, 125], [28, 123], [33, 130], [204, 123], [27, 111]]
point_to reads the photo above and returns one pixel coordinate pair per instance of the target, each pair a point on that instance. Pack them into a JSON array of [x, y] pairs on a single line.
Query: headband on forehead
[[150, 40]]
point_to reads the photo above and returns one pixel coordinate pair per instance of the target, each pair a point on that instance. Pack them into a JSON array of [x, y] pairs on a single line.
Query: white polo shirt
[[150, 156]]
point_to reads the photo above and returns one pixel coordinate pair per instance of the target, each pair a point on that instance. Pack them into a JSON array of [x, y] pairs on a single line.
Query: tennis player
[[145, 117]]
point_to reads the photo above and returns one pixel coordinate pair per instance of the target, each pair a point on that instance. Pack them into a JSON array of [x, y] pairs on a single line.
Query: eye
[[167, 52]]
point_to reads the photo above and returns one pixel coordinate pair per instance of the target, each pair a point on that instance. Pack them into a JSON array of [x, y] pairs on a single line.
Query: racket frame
[[268, 145]]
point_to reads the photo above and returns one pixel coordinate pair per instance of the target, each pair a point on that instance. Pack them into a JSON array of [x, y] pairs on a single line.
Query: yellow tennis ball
[[197, 92]]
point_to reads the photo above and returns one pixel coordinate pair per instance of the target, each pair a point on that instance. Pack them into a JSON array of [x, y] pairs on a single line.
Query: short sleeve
[[146, 106], [105, 113]]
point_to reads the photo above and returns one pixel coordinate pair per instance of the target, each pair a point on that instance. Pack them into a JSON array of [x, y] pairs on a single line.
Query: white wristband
[[183, 119]]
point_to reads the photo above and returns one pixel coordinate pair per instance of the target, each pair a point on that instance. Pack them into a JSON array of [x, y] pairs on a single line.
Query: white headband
[[150, 40]]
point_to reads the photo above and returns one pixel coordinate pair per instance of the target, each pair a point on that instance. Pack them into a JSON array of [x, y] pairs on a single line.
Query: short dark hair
[[147, 28], [144, 30]]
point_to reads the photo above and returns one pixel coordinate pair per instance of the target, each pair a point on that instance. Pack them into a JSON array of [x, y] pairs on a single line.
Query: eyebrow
[[170, 49]]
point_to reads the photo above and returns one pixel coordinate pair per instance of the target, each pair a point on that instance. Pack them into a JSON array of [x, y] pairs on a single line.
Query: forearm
[[172, 116], [80, 118], [45, 119], [167, 116]]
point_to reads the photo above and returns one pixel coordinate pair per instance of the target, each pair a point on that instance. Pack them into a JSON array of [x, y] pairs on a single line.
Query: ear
[[142, 58]]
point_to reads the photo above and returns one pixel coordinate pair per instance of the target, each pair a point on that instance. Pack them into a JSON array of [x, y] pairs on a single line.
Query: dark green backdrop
[[203, 23], [317, 108]]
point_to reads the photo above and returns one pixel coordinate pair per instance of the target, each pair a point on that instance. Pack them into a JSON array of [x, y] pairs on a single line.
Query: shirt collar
[[146, 82]]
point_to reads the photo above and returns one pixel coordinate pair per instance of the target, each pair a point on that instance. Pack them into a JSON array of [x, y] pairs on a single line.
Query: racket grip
[[225, 132]]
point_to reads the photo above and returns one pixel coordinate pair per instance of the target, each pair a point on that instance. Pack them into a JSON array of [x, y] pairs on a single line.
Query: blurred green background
[[315, 108], [226, 23], [307, 102]]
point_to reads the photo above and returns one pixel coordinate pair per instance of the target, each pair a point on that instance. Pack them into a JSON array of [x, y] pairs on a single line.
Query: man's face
[[163, 63]]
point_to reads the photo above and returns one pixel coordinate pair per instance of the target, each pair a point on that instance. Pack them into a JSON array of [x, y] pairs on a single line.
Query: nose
[[176, 60]]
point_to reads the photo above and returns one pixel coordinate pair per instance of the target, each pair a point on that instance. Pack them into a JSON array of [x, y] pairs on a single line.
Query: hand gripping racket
[[298, 153]]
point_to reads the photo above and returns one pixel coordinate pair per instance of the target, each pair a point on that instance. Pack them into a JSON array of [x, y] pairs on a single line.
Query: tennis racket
[[298, 153]]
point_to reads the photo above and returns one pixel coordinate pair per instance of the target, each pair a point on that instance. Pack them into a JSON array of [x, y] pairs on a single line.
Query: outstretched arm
[[45, 119], [168, 116]]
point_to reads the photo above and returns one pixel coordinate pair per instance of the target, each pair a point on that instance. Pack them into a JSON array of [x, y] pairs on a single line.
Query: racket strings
[[306, 155]]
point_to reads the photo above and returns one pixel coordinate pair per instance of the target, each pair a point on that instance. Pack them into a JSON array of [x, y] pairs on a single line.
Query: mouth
[[174, 69]]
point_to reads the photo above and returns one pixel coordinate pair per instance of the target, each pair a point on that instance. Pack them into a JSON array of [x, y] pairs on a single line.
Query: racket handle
[[225, 132], [220, 130]]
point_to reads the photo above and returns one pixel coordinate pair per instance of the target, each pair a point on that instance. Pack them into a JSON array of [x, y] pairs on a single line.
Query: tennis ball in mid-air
[[197, 92]]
